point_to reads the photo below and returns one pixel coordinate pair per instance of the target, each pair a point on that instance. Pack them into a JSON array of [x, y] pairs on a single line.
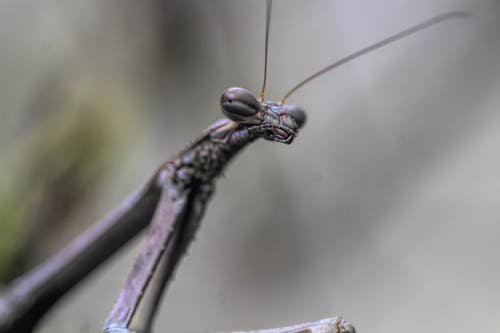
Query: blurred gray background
[[385, 210]]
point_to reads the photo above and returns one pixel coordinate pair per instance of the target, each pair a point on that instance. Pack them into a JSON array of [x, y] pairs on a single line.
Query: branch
[[327, 325]]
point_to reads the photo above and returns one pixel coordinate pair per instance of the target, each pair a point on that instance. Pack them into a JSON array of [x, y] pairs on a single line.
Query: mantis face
[[270, 120]]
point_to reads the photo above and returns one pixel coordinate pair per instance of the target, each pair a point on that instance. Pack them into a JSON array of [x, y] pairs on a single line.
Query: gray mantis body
[[188, 182], [174, 200]]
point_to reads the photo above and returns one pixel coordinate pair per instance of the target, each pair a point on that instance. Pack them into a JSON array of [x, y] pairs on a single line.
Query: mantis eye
[[298, 114], [239, 105]]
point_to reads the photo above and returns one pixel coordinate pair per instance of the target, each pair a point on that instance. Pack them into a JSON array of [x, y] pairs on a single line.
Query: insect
[[172, 203]]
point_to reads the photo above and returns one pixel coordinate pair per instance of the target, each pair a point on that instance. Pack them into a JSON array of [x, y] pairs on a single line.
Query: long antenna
[[268, 20], [402, 34]]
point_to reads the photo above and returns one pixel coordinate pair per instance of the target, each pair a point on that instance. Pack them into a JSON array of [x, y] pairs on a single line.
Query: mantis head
[[273, 121]]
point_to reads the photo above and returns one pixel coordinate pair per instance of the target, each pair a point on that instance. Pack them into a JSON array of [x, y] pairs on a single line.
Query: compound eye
[[239, 105], [298, 114]]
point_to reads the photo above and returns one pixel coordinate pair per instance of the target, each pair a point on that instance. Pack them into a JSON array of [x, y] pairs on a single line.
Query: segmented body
[[188, 182], [205, 158]]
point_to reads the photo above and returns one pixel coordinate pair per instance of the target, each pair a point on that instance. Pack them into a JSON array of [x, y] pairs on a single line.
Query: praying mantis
[[173, 203]]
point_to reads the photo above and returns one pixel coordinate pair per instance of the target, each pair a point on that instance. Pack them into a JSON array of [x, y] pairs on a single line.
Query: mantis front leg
[[174, 224]]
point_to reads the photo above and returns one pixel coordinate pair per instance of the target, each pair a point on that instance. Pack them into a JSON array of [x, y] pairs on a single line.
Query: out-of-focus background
[[385, 210]]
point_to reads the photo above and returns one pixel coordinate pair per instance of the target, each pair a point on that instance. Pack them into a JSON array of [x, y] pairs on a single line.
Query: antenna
[[373, 47], [268, 21]]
